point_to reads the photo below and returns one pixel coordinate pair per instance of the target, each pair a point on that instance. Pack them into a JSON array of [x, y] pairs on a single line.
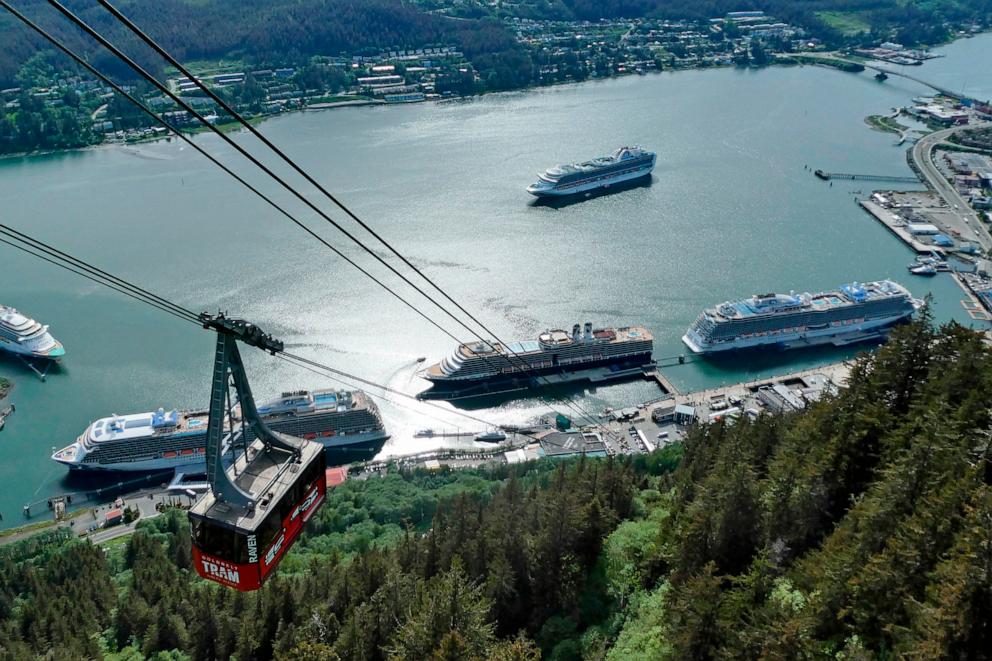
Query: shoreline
[[777, 59], [784, 60]]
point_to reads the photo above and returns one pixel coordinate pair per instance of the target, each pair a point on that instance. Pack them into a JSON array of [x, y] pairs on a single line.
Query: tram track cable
[[120, 289], [95, 271], [137, 31], [567, 401], [66, 261], [336, 374], [141, 34], [144, 107], [178, 132], [244, 152]]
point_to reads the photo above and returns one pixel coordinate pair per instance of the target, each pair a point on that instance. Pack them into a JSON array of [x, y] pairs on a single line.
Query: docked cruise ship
[[26, 337], [849, 314], [345, 422], [555, 357], [625, 164]]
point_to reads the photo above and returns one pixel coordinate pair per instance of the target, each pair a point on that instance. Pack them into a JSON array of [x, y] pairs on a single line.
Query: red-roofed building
[[336, 476]]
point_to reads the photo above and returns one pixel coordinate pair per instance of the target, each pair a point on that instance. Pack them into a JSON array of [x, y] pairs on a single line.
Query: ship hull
[[351, 445], [590, 372], [55, 354], [856, 333], [564, 191]]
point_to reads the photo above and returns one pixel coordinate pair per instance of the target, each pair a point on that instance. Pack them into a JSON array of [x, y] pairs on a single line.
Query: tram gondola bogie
[[240, 548]]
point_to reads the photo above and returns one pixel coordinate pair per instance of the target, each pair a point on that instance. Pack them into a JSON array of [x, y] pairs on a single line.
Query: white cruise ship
[[26, 337], [852, 313], [555, 357], [345, 422], [625, 164]]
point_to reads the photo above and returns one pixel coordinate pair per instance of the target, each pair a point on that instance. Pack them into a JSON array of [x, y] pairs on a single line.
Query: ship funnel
[[588, 330], [576, 333]]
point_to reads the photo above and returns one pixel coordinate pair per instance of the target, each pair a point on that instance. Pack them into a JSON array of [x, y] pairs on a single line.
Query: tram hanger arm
[[246, 332]]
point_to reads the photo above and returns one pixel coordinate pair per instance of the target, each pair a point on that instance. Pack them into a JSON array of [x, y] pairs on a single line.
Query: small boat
[[4, 415], [494, 436], [881, 76], [923, 269]]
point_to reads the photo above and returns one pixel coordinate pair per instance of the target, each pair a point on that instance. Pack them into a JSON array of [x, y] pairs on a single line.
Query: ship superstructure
[[854, 312], [162, 440], [625, 164], [556, 356], [25, 337]]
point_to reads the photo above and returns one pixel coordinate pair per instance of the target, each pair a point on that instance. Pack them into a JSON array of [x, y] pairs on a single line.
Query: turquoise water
[[731, 211]]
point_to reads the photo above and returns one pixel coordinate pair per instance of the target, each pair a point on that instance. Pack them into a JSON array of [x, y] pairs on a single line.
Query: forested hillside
[[859, 529], [270, 31], [290, 31]]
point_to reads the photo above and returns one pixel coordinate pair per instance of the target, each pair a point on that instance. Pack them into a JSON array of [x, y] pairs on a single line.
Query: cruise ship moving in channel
[[849, 314], [625, 164], [345, 422], [26, 337], [555, 357]]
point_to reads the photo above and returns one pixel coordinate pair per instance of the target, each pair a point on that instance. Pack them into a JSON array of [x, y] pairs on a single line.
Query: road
[[922, 155]]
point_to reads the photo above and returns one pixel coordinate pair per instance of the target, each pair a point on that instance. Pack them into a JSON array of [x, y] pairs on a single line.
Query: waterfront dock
[[663, 382], [827, 176], [836, 373], [897, 226], [979, 296], [643, 431]]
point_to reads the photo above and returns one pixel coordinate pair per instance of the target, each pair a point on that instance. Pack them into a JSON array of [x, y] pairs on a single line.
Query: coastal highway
[[922, 155]]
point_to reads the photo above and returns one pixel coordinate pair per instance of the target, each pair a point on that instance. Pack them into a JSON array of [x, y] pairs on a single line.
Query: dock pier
[[827, 176], [663, 382], [897, 227], [41, 374]]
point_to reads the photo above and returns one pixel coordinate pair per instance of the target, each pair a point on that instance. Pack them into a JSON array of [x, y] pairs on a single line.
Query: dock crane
[[257, 506]]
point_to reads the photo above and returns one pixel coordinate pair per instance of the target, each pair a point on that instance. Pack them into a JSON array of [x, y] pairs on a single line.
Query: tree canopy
[[858, 528]]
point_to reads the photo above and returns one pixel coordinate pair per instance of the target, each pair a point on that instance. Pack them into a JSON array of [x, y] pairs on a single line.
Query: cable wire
[[101, 282], [75, 265], [144, 107], [137, 68], [96, 272], [130, 25]]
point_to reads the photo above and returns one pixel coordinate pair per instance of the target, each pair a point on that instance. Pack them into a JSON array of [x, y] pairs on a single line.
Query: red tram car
[[238, 547]]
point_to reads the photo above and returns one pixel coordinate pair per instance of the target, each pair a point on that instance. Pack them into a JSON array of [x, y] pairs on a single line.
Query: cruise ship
[[555, 357], [625, 164], [25, 337], [852, 313], [345, 422]]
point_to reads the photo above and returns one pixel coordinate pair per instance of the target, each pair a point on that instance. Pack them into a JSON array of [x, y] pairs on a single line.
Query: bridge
[[892, 72]]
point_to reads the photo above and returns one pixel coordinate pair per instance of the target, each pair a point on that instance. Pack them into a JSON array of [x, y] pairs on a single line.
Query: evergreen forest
[[860, 528]]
